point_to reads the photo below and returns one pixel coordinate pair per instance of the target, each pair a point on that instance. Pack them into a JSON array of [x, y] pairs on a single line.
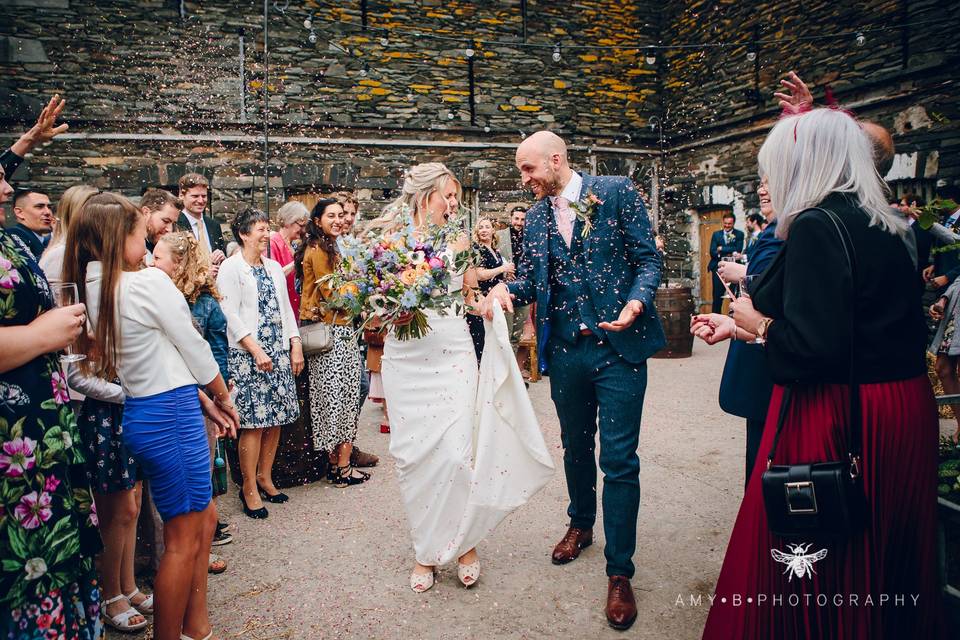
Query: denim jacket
[[212, 325]]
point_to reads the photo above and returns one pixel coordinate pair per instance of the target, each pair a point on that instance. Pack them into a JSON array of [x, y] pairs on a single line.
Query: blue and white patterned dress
[[265, 399]]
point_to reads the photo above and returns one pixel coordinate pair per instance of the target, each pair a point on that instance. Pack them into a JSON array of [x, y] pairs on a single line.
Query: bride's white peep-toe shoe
[[421, 582], [468, 573]]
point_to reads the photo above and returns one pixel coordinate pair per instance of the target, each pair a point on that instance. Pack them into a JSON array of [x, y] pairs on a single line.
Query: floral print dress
[[265, 398], [48, 534]]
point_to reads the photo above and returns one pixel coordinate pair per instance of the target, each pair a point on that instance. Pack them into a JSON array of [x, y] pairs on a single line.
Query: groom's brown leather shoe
[[575, 541], [621, 605]]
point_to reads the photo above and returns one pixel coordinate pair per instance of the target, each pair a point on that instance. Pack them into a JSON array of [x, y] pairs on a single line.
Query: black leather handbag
[[821, 499]]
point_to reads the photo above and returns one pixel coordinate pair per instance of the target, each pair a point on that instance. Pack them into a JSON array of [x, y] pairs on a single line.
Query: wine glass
[[726, 295], [747, 284], [64, 295]]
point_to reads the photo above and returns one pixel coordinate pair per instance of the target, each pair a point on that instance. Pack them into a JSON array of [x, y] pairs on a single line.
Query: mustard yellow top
[[316, 264]]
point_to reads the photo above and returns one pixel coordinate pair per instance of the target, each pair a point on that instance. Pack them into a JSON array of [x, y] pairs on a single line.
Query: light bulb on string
[[751, 54], [650, 56], [384, 41], [312, 37], [861, 39], [450, 116], [556, 53], [364, 69], [308, 22], [469, 52]]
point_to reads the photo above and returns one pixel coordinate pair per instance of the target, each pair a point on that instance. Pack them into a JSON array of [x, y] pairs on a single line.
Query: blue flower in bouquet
[[409, 299]]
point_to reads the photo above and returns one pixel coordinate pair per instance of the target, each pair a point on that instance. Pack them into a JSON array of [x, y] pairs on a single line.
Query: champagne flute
[[729, 295], [64, 295], [747, 284]]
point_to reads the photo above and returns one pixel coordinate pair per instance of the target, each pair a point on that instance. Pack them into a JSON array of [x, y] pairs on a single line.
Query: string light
[[861, 39], [384, 41], [308, 23], [312, 38], [751, 53], [650, 56], [556, 53], [468, 52]]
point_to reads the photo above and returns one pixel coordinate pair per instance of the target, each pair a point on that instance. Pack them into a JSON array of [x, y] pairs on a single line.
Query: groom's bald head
[[543, 165]]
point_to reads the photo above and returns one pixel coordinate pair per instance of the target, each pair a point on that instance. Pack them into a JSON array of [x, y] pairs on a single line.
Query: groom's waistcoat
[[570, 303]]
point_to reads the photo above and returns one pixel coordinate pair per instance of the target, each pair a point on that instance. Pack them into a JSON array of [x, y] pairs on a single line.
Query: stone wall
[[153, 94], [720, 105]]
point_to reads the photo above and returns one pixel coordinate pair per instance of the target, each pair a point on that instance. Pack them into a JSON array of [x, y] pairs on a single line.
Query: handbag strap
[[854, 420]]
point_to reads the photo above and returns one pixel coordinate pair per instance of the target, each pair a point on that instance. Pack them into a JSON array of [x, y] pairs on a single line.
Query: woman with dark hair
[[265, 355], [143, 333], [335, 374]]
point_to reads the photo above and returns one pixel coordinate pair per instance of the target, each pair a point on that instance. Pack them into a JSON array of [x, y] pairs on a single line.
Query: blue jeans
[[588, 381]]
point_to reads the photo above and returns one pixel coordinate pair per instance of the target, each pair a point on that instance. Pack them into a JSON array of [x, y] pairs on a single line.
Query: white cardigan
[[240, 303], [159, 348]]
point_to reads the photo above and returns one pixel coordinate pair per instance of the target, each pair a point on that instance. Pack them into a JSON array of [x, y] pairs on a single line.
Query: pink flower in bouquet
[[436, 263], [33, 510], [17, 456], [60, 393]]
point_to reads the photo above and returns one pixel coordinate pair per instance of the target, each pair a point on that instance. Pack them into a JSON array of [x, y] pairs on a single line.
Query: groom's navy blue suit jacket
[[621, 262]]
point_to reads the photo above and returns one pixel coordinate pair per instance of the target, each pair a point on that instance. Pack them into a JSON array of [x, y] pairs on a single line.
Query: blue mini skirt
[[166, 435]]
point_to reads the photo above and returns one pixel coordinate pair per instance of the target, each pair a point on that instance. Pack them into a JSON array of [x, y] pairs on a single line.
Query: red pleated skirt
[[882, 582]]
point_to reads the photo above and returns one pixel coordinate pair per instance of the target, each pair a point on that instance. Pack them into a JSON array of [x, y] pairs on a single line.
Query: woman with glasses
[[293, 220]]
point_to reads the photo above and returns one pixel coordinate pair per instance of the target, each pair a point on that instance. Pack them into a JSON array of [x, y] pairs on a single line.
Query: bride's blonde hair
[[419, 183]]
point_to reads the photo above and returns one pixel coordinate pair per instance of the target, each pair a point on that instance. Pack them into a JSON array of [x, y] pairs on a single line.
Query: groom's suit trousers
[[592, 385]]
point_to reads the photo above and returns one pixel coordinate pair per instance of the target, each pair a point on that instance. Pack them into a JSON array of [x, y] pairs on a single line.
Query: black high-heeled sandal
[[343, 477], [256, 514], [277, 498]]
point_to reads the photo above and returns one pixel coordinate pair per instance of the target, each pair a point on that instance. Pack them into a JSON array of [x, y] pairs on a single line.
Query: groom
[[591, 266]]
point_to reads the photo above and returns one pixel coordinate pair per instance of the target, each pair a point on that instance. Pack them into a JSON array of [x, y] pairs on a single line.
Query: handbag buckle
[[801, 497], [854, 467]]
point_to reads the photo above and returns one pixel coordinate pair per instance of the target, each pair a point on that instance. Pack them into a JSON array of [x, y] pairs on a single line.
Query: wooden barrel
[[675, 306], [296, 463]]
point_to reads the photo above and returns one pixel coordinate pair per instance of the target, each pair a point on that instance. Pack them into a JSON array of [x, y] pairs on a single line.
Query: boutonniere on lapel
[[585, 209]]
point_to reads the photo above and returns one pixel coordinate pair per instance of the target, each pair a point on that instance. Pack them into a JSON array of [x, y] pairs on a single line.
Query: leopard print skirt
[[335, 391]]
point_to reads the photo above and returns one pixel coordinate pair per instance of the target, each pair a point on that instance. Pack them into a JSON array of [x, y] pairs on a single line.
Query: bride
[[467, 445]]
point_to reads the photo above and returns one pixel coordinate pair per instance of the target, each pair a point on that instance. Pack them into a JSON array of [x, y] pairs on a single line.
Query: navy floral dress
[[48, 527], [110, 467], [265, 398]]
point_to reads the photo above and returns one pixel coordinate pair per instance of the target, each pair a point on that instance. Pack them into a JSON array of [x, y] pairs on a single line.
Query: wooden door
[[711, 219], [309, 200]]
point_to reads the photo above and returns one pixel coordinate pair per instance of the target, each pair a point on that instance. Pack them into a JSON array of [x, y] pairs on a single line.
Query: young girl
[[144, 335]]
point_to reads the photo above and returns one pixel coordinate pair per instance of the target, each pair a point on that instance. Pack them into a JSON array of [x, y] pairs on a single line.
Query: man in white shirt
[[193, 192], [161, 209]]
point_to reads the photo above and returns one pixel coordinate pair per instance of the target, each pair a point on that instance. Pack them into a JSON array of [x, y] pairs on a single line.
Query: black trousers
[[718, 292]]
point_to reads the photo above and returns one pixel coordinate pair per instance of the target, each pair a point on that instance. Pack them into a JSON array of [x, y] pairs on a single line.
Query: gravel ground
[[334, 563]]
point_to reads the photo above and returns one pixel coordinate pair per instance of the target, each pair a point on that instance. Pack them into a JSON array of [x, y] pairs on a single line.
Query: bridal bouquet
[[396, 276]]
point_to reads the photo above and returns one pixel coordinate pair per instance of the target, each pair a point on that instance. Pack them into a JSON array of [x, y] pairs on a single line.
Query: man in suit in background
[[34, 220], [193, 192], [511, 248], [723, 244], [590, 264]]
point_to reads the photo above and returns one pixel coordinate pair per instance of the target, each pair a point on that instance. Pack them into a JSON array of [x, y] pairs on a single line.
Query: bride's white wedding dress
[[467, 444]]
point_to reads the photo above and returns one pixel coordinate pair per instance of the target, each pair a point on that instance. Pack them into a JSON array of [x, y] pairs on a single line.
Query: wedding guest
[[43, 131], [144, 334], [492, 269], [335, 374], [724, 243], [351, 209], [374, 339], [34, 220], [178, 255], [746, 385], [803, 307], [70, 202], [511, 248], [194, 190], [755, 223], [161, 209], [37, 500], [292, 218], [232, 248], [265, 355]]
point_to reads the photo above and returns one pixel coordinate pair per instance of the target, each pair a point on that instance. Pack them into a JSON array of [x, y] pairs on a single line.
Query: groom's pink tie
[[564, 215]]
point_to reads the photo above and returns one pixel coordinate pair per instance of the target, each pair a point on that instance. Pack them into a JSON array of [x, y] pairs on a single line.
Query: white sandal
[[206, 637], [468, 573], [145, 607], [121, 621], [421, 582]]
